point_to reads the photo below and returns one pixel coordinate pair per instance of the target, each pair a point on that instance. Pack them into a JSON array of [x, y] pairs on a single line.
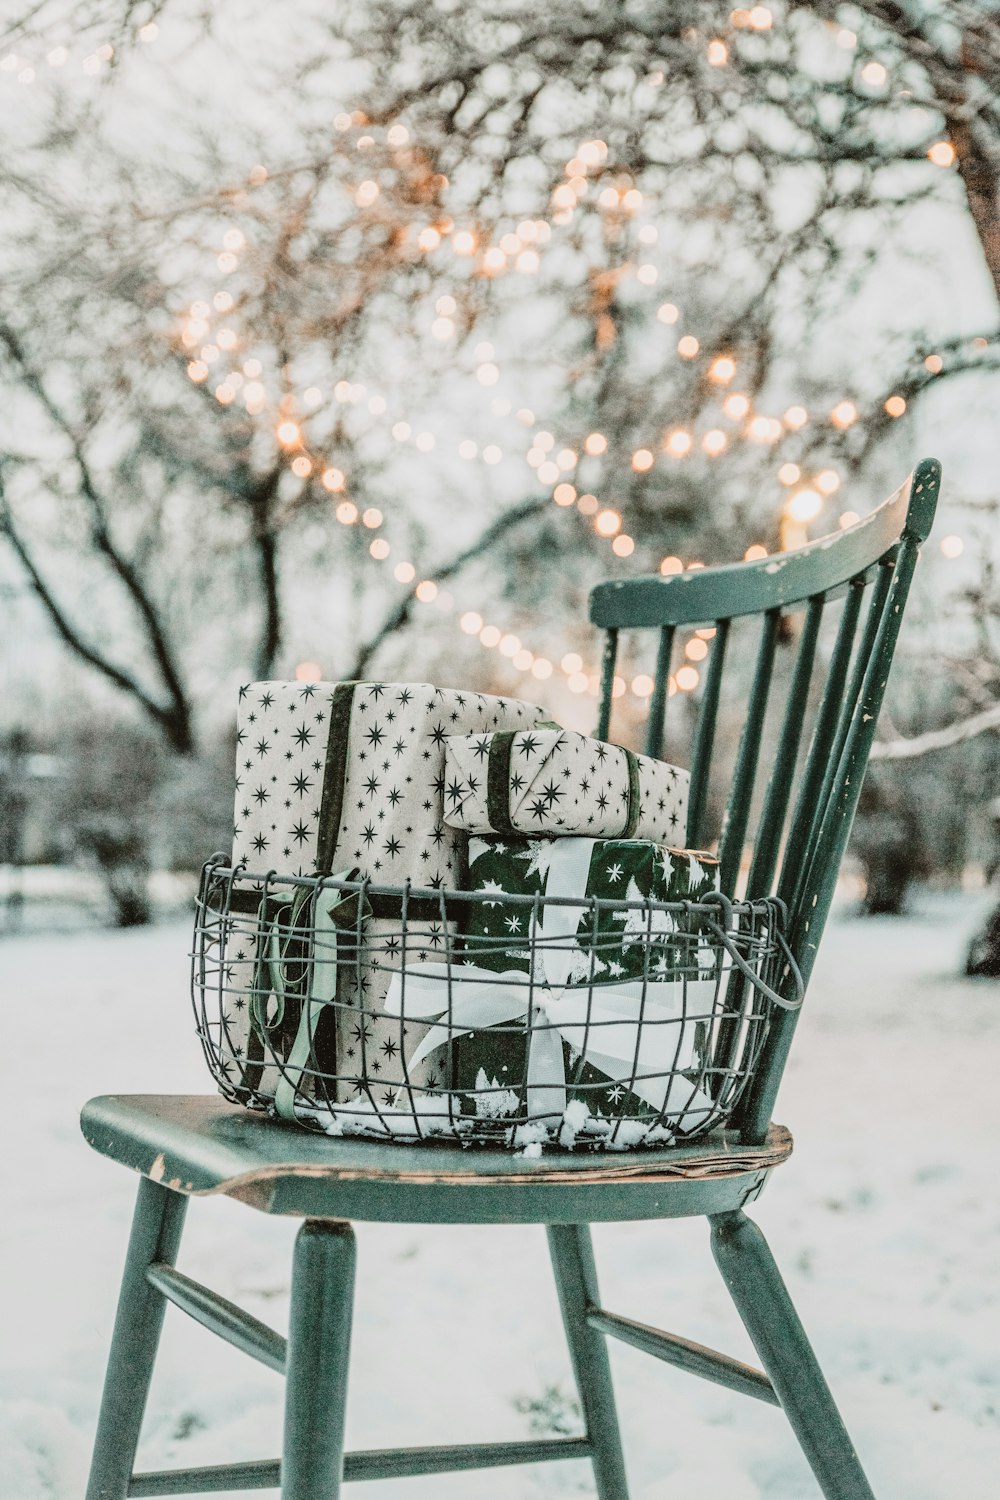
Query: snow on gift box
[[345, 777], [605, 1021], [550, 781]]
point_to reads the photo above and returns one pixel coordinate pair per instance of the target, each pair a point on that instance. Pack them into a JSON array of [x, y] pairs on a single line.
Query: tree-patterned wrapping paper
[[552, 781], [348, 778], [614, 947]]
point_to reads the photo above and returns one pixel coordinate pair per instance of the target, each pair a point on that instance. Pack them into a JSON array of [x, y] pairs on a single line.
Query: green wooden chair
[[187, 1147]]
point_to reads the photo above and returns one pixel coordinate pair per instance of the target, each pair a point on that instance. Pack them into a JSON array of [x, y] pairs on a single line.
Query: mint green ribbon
[[319, 983]]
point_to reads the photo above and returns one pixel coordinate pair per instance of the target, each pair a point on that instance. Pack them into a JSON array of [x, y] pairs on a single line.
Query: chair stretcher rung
[[221, 1317], [696, 1359], [376, 1463]]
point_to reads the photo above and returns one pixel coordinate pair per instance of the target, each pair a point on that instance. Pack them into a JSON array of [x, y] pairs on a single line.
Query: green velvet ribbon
[[313, 931]]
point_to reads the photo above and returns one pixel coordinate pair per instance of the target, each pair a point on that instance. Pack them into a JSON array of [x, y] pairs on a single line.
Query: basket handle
[[716, 898]]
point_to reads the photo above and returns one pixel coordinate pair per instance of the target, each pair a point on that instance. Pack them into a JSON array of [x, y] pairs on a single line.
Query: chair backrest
[[802, 821]]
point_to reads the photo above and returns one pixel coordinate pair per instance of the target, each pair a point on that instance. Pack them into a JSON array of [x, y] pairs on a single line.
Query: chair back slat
[[862, 656], [608, 663], [808, 804], [779, 787], [734, 827], [809, 915], [661, 687], [703, 743], [831, 708]]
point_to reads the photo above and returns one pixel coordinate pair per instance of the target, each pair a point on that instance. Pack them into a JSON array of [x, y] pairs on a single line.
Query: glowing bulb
[[642, 460], [671, 565], [252, 368], [828, 481], [442, 328], [843, 414], [467, 449], [197, 370], [718, 54], [678, 442], [564, 494], [688, 346], [805, 505], [527, 261], [541, 668], [873, 73], [510, 645], [607, 522], [687, 679], [288, 434], [952, 546], [623, 546], [346, 513], [489, 635], [548, 473], [577, 682], [761, 19], [307, 671], [714, 441], [796, 417], [789, 474], [736, 407], [492, 454], [301, 466], [523, 660], [647, 274], [401, 431], [404, 572], [372, 518], [754, 552], [667, 313], [722, 370], [642, 686], [571, 663], [379, 549], [494, 260], [934, 363], [895, 406], [595, 443], [471, 623], [429, 238], [397, 135], [424, 441], [588, 505], [487, 374], [426, 590], [566, 459], [849, 518], [942, 153], [764, 430]]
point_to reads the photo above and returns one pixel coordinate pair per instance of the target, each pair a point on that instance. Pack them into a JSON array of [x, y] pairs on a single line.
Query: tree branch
[[938, 739], [175, 726], [103, 542], [399, 615]]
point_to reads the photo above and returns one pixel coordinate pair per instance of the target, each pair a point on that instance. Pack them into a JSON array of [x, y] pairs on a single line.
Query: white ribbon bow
[[620, 1029]]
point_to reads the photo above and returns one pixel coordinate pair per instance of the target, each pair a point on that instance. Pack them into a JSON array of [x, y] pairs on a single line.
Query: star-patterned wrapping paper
[[614, 946], [552, 781], [349, 778]]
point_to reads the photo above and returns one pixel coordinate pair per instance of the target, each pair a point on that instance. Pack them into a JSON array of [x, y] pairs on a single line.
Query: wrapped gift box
[[570, 1001], [551, 781], [348, 779]]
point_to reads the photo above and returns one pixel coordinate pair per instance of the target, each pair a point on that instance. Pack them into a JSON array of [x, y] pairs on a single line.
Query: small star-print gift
[[557, 782], [618, 1009], [348, 779]]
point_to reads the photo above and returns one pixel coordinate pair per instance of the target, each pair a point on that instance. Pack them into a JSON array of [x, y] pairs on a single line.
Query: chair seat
[[199, 1144]]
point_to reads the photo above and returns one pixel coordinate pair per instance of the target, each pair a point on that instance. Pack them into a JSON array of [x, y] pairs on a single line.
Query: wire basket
[[390, 1011]]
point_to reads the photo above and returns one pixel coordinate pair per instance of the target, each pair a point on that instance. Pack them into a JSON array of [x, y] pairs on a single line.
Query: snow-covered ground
[[885, 1222]]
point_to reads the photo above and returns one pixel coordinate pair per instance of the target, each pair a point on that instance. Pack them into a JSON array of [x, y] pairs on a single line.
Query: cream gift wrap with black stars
[[337, 777], [552, 781]]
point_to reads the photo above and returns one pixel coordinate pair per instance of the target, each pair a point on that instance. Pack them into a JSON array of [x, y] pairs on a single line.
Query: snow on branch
[[938, 739]]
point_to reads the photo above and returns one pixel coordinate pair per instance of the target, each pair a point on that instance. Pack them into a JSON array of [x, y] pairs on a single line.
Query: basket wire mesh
[[357, 1008]]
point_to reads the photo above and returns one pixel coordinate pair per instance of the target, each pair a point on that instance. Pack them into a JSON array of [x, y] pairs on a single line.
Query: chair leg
[[762, 1300], [576, 1281], [156, 1234], [319, 1341]]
